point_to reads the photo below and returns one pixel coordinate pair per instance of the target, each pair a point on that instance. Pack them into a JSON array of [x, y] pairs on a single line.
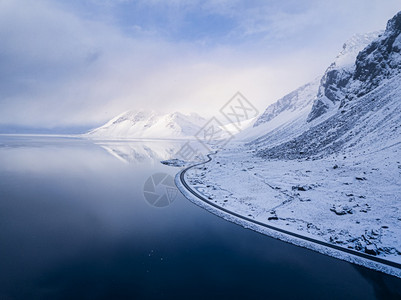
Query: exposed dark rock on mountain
[[363, 98]]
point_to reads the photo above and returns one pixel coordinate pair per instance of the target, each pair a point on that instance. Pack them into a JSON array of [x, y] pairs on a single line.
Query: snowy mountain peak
[[133, 116], [149, 124], [394, 24], [352, 47], [293, 102], [338, 74], [380, 60]]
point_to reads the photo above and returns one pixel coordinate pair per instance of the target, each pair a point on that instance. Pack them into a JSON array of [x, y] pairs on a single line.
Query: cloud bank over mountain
[[69, 63]]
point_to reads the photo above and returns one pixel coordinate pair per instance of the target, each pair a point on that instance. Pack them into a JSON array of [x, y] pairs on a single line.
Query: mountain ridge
[[297, 111], [363, 93], [149, 124]]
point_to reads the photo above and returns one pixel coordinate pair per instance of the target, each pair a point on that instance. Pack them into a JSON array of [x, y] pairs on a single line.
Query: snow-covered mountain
[[284, 114], [353, 101], [292, 114], [149, 124], [338, 74]]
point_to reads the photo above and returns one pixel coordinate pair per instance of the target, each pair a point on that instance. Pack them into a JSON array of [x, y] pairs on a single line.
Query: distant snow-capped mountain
[[149, 124]]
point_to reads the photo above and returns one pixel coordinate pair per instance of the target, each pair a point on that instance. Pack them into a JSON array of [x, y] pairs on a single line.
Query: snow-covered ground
[[352, 201]]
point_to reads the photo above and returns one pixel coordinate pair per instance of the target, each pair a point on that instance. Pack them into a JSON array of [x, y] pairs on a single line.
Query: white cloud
[[60, 68]]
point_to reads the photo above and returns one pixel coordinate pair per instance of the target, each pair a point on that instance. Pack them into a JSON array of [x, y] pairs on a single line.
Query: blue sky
[[80, 62]]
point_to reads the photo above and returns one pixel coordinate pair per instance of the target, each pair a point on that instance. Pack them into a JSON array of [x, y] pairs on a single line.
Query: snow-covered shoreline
[[215, 198]]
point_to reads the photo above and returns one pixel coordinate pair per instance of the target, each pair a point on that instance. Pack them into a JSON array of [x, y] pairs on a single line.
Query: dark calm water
[[74, 225]]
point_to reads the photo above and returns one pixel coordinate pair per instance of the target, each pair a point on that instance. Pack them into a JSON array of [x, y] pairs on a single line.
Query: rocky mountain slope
[[294, 113], [338, 74], [366, 100]]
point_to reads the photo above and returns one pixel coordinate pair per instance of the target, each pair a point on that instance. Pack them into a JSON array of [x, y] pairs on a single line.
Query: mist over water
[[74, 224]]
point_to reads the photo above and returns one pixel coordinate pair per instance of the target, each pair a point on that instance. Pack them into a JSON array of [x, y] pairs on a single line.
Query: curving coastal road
[[181, 177]]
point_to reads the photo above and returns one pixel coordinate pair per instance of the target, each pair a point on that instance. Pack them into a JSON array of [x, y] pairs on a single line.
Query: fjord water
[[74, 224]]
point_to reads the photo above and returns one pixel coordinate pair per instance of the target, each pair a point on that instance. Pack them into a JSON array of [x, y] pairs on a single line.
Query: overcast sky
[[80, 62]]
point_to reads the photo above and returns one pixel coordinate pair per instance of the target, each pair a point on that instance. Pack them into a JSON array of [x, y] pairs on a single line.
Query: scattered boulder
[[371, 249], [302, 188], [341, 209]]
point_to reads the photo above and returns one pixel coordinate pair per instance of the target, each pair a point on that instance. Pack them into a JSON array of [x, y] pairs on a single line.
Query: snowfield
[[353, 202]]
